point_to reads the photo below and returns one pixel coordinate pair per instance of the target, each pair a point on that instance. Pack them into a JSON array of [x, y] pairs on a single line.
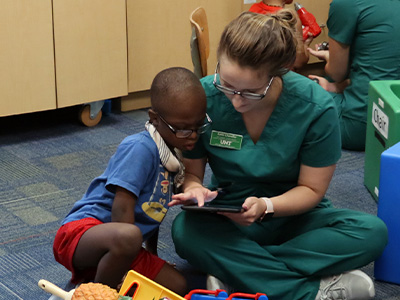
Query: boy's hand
[[198, 194], [321, 54], [309, 40]]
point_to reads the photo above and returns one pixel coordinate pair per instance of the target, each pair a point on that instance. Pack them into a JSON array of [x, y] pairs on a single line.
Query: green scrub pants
[[284, 258], [353, 132]]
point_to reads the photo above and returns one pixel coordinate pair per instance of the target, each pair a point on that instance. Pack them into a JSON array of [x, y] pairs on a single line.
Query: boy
[[101, 238]]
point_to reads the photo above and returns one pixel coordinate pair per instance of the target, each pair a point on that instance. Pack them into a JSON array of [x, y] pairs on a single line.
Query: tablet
[[213, 208]]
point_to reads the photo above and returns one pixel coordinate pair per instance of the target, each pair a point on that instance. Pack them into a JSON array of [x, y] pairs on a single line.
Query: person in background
[[273, 6], [364, 45], [101, 237], [272, 149]]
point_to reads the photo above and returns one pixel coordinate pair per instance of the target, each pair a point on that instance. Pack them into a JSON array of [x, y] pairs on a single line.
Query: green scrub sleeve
[[341, 13], [322, 144]]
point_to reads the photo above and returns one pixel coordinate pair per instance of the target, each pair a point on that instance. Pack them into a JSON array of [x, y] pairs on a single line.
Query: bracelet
[[269, 212]]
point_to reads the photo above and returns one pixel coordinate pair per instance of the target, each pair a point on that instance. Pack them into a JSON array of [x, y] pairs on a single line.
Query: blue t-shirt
[[136, 167]]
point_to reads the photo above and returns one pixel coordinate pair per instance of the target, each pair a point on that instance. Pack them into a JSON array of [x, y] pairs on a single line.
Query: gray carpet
[[48, 159]]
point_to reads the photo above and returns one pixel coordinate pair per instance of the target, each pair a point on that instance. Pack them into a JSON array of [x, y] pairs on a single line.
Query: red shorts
[[67, 239]]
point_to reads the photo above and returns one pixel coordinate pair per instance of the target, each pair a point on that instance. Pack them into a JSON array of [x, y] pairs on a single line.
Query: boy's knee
[[172, 279], [127, 241], [180, 285]]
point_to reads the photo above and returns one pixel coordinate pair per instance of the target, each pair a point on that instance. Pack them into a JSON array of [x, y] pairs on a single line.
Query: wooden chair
[[200, 41]]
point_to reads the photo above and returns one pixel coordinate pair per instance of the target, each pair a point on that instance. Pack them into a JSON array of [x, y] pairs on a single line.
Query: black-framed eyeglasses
[[247, 95], [185, 133]]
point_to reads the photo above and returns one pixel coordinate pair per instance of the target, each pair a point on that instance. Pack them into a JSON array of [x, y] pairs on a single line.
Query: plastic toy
[[146, 289], [308, 21], [86, 291], [222, 295]]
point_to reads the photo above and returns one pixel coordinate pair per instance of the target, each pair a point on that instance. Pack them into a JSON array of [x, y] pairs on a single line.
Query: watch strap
[[269, 212]]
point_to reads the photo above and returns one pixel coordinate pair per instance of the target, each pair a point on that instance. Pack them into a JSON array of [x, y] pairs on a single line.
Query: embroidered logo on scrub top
[[226, 140], [155, 208]]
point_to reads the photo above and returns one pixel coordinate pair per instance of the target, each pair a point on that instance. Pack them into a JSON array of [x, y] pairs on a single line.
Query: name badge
[[226, 140]]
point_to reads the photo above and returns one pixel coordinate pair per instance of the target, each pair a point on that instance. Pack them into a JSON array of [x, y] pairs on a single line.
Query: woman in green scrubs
[[364, 45], [272, 148]]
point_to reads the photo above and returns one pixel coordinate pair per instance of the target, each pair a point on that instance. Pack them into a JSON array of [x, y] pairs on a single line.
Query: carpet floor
[[47, 161]]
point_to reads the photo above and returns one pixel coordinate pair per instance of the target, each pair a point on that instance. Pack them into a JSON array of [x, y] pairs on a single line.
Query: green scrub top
[[372, 30], [303, 129]]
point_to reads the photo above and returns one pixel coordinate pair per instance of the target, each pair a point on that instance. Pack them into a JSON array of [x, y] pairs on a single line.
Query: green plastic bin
[[383, 128]]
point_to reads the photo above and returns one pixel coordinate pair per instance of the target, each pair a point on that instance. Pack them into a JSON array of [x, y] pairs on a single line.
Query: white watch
[[269, 212]]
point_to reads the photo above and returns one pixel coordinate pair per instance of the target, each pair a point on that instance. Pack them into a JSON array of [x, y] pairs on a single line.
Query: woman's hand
[[253, 209], [334, 87], [326, 85], [198, 194]]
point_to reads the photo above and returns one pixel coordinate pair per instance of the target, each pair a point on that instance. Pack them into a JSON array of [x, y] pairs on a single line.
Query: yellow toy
[[146, 288]]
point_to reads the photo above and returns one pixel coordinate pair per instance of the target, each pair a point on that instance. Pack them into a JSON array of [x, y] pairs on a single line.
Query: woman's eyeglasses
[[185, 133], [247, 95]]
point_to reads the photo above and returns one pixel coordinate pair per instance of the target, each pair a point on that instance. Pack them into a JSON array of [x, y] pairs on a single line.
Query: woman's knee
[[375, 235], [188, 231], [381, 231]]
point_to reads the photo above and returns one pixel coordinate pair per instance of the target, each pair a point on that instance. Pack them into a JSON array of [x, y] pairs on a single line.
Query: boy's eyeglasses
[[247, 95], [185, 133]]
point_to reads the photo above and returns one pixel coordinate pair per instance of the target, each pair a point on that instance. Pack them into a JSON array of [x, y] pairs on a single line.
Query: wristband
[[269, 212]]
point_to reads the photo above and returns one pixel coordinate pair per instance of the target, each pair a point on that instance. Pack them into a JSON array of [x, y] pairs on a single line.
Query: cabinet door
[[27, 82], [159, 35], [90, 50]]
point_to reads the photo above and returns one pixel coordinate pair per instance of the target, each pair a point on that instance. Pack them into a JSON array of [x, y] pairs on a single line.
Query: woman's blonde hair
[[261, 41]]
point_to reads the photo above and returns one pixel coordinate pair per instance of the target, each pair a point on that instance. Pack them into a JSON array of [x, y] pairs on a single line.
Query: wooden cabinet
[[90, 50], [27, 79], [82, 58], [58, 53], [158, 38]]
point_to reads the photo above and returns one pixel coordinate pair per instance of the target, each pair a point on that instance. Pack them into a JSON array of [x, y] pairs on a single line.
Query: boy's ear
[[153, 117]]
